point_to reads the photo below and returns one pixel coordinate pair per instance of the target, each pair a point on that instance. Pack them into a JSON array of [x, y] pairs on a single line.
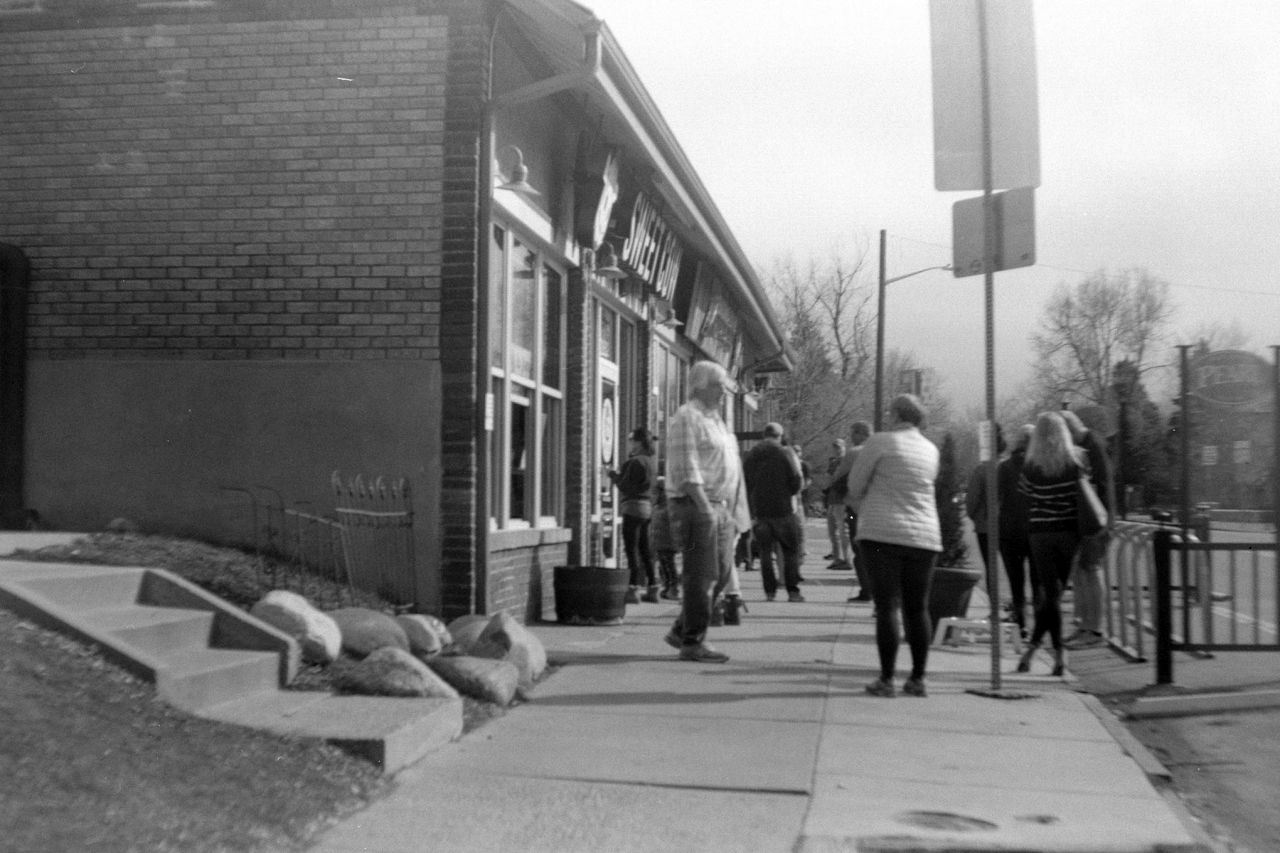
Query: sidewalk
[[624, 748]]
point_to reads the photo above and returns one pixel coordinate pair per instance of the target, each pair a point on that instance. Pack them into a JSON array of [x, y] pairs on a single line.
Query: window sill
[[510, 540]]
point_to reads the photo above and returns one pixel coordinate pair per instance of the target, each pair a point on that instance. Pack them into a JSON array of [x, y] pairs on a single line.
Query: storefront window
[[526, 486]]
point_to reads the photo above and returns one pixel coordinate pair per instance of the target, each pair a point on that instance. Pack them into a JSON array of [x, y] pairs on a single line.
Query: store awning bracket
[[586, 74]]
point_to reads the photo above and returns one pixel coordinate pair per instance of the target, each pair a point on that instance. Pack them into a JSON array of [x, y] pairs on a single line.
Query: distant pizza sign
[[1230, 377]]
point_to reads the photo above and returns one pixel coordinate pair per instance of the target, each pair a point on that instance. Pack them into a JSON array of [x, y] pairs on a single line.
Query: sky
[[810, 122]]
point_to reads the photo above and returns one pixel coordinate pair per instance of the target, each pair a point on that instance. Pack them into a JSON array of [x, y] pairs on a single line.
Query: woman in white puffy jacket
[[892, 488]]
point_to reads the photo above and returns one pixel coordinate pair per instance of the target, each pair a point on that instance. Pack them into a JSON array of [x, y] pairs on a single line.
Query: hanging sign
[[652, 251]]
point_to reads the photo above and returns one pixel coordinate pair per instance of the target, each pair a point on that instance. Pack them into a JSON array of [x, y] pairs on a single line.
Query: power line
[[1181, 285]]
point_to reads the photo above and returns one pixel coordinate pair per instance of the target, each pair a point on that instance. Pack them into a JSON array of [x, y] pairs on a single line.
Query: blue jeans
[[707, 544]]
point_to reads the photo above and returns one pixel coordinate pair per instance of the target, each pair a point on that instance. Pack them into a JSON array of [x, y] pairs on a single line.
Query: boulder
[[389, 671], [316, 632], [519, 646], [427, 634], [465, 630], [481, 678], [365, 630]]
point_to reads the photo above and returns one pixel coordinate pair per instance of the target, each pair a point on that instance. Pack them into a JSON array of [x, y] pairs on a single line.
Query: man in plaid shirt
[[708, 504]]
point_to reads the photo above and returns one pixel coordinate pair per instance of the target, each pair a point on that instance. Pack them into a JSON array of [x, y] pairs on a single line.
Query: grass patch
[[92, 760]]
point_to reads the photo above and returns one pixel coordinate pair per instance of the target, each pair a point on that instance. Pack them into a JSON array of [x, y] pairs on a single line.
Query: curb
[[1146, 707]]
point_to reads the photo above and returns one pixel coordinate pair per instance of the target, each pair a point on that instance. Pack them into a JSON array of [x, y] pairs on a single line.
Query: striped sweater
[[1051, 501]]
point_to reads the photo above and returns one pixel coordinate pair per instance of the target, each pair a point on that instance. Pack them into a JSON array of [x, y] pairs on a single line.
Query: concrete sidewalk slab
[[727, 753]]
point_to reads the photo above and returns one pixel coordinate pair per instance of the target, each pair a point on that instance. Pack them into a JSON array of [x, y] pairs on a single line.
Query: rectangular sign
[[957, 94], [1014, 225]]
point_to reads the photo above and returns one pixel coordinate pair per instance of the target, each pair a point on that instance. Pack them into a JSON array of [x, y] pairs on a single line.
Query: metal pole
[[1163, 545], [878, 417], [988, 253], [1275, 457], [1184, 513]]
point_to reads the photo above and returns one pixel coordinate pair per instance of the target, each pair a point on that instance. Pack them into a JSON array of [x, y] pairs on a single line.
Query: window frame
[[531, 495]]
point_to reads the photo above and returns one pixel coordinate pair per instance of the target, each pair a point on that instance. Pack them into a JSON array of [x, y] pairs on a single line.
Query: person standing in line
[[1015, 547], [634, 481], [708, 504], [891, 488], [635, 486], [1048, 481], [661, 544], [1090, 597], [833, 502], [975, 501], [773, 481], [859, 432]]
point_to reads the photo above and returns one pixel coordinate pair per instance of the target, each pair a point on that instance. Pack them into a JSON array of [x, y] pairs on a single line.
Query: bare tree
[[827, 312], [1086, 330]]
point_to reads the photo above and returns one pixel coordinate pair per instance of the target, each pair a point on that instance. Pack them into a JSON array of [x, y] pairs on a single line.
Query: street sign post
[[986, 134]]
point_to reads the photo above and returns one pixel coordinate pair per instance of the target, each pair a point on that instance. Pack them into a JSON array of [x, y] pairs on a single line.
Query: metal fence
[[366, 545], [1174, 594], [376, 520]]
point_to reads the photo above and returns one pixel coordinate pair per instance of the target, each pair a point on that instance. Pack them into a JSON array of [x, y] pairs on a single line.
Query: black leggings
[[635, 538], [900, 577], [1051, 558]]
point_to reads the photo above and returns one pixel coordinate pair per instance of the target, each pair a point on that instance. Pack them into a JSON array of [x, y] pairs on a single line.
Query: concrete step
[[192, 678], [390, 732], [156, 630], [79, 588]]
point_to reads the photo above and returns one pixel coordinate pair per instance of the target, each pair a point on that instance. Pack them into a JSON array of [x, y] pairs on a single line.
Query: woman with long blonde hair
[[1048, 481]]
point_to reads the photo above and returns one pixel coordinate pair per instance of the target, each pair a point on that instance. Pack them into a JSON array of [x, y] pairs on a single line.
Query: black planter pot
[[590, 595], [949, 592]]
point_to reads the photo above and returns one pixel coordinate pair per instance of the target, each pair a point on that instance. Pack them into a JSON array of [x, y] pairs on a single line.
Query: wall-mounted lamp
[[607, 263], [662, 308], [519, 182]]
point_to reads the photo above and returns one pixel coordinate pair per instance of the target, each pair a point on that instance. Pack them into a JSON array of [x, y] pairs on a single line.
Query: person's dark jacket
[[773, 479], [635, 485], [1095, 448], [1012, 517]]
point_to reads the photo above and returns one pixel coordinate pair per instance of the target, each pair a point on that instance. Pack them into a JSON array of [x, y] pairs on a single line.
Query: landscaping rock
[[316, 632], [390, 671], [481, 678], [427, 634], [364, 630], [519, 646], [465, 630]]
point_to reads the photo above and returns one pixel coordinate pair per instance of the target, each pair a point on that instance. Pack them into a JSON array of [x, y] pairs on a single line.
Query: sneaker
[[794, 596], [839, 566], [1084, 639], [673, 640], [914, 687], [880, 687], [702, 654]]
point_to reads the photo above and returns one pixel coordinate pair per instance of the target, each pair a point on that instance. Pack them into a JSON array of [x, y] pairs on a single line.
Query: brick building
[[259, 242]]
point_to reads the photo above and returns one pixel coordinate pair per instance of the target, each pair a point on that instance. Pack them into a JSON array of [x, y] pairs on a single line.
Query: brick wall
[[244, 190], [521, 579]]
